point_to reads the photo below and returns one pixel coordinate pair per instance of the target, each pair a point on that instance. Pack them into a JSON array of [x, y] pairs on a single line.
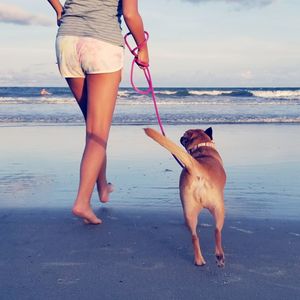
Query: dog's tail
[[180, 154]]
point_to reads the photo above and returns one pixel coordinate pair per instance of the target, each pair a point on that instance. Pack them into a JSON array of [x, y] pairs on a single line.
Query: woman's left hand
[[143, 57]]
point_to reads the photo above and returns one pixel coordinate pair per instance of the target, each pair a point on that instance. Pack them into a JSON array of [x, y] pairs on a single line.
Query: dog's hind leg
[[191, 219], [218, 214]]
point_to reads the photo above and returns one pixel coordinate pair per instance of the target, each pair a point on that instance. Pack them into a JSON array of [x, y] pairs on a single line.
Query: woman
[[90, 51]]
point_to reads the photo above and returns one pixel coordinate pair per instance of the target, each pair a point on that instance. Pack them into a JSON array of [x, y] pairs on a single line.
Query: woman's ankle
[[104, 191]]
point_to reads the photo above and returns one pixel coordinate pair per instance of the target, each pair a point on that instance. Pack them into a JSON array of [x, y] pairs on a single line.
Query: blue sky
[[205, 43]]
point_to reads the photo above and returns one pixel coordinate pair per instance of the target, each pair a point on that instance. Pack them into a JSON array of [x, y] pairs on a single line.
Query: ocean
[[177, 106]]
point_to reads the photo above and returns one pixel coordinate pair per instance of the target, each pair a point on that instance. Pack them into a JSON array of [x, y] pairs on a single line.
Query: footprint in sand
[[269, 272], [231, 279], [149, 266], [241, 230], [112, 218], [66, 281], [145, 266], [205, 225], [294, 234]]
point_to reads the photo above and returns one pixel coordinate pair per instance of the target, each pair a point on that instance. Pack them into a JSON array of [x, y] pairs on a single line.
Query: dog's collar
[[205, 144]]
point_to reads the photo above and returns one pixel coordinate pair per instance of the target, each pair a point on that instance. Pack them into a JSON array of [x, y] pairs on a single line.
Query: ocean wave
[[146, 100], [36, 100], [176, 106], [123, 93], [221, 101], [57, 100], [150, 119], [236, 93], [209, 93], [165, 96], [186, 120], [277, 94], [203, 93], [162, 102], [239, 93], [167, 92]]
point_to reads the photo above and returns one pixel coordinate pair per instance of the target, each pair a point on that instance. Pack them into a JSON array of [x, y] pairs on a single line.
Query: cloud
[[248, 3], [16, 15]]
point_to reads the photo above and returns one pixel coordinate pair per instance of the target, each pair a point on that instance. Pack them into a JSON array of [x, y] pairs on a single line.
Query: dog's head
[[192, 137]]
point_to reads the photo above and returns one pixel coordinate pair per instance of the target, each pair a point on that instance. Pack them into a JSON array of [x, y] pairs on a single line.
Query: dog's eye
[[189, 134], [193, 136]]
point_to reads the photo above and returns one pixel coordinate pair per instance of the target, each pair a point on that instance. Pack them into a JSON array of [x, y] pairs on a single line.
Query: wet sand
[[143, 254], [143, 249]]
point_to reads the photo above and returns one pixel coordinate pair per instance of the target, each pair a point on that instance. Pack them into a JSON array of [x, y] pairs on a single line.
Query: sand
[[143, 250]]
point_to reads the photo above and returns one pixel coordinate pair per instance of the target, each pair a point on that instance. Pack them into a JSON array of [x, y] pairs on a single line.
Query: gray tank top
[[100, 19]]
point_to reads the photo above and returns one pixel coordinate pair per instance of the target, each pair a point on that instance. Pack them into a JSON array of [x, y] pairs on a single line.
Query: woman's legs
[[78, 87], [101, 97]]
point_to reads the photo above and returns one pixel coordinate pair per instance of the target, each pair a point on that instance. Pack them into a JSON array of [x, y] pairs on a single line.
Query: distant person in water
[[44, 92], [90, 54]]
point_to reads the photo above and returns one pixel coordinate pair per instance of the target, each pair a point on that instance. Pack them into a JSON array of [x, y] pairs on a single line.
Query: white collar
[[205, 144]]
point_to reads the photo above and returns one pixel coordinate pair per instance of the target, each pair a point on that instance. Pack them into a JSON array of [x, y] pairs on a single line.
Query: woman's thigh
[[101, 99]]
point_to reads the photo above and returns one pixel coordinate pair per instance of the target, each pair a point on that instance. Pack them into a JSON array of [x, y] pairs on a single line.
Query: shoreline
[[262, 171], [200, 125]]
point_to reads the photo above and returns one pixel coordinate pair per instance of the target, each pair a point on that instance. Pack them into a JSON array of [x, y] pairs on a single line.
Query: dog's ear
[[209, 132]]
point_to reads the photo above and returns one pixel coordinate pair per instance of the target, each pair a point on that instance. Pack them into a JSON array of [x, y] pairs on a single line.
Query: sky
[[193, 43]]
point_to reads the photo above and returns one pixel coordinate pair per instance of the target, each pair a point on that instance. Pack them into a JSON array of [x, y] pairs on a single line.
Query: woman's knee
[[96, 137]]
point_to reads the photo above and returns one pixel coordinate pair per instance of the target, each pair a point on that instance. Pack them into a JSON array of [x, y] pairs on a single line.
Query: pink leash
[[145, 68]]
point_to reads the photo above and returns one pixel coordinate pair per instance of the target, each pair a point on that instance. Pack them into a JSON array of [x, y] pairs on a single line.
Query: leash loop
[[146, 70]]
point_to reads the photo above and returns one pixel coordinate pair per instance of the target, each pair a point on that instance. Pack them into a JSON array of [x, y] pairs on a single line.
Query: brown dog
[[201, 183]]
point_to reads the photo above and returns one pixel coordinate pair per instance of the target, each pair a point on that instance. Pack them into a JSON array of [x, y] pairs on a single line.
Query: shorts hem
[[92, 73], [106, 71], [72, 76]]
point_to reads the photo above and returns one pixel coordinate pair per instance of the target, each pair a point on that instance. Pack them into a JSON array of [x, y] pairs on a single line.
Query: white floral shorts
[[78, 56]]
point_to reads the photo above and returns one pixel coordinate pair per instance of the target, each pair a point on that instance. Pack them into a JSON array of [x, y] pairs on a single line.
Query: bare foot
[[104, 192], [86, 214]]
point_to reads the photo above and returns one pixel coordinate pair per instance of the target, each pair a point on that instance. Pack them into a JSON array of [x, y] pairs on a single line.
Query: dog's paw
[[220, 260], [200, 263]]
